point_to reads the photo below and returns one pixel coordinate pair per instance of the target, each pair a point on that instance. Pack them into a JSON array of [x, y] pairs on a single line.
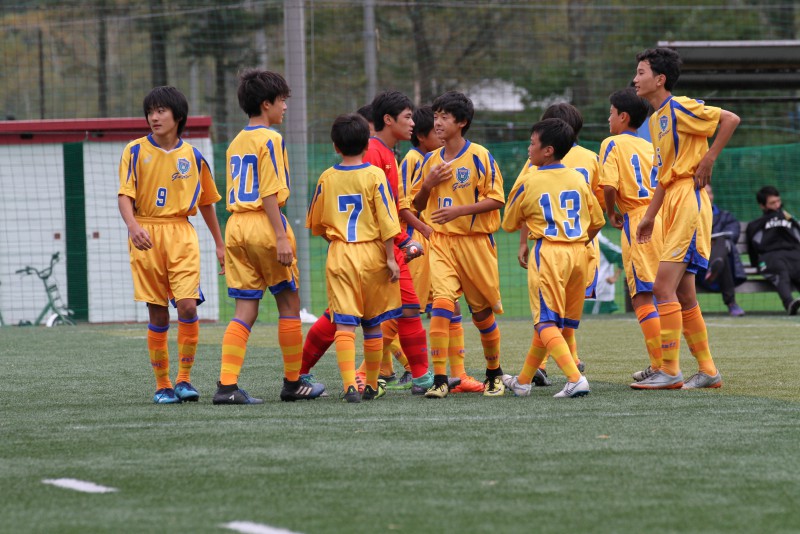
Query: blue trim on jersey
[[651, 315], [196, 194], [351, 320], [375, 321], [490, 329], [626, 227], [518, 193], [493, 164], [245, 294], [572, 323], [536, 248], [695, 261], [189, 321], [552, 166], [132, 165], [404, 174], [456, 319], [271, 148], [609, 148], [592, 288], [291, 285], [257, 127], [340, 167], [314, 199], [463, 150], [429, 155], [491, 239], [428, 307], [665, 102], [628, 132], [479, 165], [675, 139], [201, 299], [286, 165], [410, 307], [441, 312], [244, 324], [679, 107], [153, 142], [373, 336], [159, 329], [382, 191], [284, 221]]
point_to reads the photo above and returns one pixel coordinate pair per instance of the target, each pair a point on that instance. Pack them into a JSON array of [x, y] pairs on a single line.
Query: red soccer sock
[[318, 340], [414, 343]]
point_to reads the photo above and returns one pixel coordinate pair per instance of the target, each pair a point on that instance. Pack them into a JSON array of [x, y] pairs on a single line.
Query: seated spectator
[[773, 243], [725, 269]]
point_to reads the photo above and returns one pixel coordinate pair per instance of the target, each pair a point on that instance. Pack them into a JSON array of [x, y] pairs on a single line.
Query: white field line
[[78, 485], [248, 527]]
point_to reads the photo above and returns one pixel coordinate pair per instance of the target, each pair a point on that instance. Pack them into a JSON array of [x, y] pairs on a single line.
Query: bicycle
[[56, 311]]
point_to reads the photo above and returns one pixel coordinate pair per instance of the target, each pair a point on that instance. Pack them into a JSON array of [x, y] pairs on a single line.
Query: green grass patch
[[76, 404]]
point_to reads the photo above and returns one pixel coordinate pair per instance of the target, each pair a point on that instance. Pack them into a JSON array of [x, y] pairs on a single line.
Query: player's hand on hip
[[702, 174]]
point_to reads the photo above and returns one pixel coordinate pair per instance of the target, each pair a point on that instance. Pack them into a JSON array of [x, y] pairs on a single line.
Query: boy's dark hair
[[764, 192], [664, 61], [456, 104], [567, 113], [556, 133], [391, 103], [366, 112], [168, 97], [423, 123], [350, 134], [629, 102], [257, 86]]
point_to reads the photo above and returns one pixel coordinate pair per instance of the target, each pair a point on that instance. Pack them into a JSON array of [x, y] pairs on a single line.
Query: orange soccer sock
[[373, 352], [671, 321], [290, 338], [490, 339], [696, 334], [234, 346], [650, 323], [455, 349], [441, 315], [537, 355], [188, 335], [569, 336], [394, 350], [390, 339], [159, 354], [559, 350], [346, 357]]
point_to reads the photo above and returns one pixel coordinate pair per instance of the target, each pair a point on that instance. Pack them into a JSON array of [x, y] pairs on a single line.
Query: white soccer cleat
[[512, 384], [574, 389]]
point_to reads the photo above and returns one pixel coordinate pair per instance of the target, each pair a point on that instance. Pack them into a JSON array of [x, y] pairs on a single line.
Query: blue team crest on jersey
[[462, 175], [663, 122], [183, 165]]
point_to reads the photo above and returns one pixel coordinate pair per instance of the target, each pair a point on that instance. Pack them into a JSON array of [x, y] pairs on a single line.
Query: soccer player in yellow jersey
[[424, 140], [679, 129], [259, 242], [354, 211], [587, 163], [163, 180], [462, 193], [628, 179], [562, 215]]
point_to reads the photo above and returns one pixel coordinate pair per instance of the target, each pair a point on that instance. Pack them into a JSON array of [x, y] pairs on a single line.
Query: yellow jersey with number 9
[[165, 183]]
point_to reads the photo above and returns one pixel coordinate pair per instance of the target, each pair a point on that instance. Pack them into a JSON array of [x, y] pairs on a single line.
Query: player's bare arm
[[138, 235], [444, 215], [209, 214], [644, 232], [727, 125], [524, 251], [391, 264], [438, 174], [610, 196], [283, 246], [413, 221]]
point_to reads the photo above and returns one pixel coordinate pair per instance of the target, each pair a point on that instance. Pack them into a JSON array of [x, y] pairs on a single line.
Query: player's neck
[[452, 147], [258, 121], [167, 141], [352, 161], [657, 98], [387, 137]]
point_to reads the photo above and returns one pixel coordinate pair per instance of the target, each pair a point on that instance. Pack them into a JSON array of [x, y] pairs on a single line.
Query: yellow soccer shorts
[[557, 282], [592, 264], [251, 257], [171, 269], [686, 218], [466, 264], [359, 288], [640, 259], [420, 271]]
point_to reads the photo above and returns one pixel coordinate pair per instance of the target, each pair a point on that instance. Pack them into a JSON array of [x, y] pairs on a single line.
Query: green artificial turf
[[76, 403]]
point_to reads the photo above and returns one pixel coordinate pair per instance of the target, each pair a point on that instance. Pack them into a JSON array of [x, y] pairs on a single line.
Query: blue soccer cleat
[[185, 392], [166, 396]]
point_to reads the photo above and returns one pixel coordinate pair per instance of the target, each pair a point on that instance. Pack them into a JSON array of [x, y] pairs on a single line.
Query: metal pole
[[296, 136], [370, 49]]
